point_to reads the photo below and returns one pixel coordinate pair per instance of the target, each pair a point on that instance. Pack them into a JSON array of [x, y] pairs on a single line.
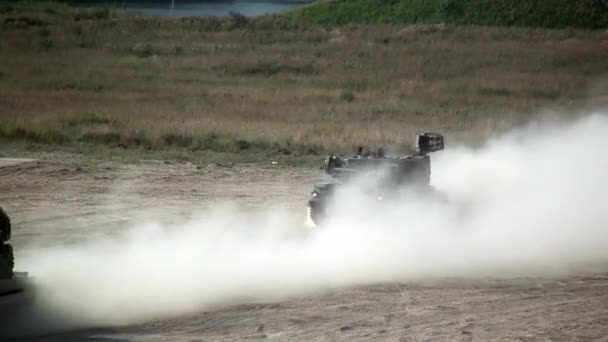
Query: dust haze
[[530, 202]]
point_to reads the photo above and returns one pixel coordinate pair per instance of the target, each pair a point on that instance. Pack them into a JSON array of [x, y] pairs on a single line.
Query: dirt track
[[51, 202]]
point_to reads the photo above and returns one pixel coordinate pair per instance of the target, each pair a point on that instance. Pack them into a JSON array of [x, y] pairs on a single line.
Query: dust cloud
[[531, 202]]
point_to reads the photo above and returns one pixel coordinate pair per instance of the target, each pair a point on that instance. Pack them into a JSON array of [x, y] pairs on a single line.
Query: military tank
[[386, 174], [13, 285]]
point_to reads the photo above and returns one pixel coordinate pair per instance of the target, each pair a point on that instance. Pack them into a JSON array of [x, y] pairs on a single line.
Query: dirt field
[[45, 200], [58, 200]]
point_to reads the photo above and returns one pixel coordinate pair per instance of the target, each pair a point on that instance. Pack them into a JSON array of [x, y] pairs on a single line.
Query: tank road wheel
[[317, 213], [5, 226], [314, 216]]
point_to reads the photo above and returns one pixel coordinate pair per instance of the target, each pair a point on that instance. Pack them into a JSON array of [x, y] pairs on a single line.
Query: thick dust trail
[[527, 203]]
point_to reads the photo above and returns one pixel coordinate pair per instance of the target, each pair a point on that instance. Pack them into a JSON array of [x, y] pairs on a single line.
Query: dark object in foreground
[[12, 284], [7, 261], [387, 174]]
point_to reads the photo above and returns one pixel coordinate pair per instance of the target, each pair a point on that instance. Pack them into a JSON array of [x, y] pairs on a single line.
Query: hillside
[[206, 88], [588, 14]]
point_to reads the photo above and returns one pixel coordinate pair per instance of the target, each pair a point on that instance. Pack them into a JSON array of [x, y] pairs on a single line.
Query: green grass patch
[[589, 14], [98, 129], [92, 153], [347, 96]]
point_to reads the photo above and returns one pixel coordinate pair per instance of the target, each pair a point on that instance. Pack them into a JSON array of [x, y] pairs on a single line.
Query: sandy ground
[[53, 201]]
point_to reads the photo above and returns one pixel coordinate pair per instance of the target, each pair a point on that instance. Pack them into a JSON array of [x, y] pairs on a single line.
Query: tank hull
[[376, 177]]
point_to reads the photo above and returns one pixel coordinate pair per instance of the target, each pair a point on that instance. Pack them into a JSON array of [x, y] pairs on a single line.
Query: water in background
[[249, 8]]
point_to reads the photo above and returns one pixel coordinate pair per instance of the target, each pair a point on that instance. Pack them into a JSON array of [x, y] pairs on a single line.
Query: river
[[249, 8]]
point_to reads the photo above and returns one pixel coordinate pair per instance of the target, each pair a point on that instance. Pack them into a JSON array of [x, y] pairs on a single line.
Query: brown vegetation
[[239, 84]]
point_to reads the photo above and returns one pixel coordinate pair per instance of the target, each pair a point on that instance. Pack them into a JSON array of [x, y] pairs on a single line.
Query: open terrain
[[64, 200], [73, 78], [130, 119]]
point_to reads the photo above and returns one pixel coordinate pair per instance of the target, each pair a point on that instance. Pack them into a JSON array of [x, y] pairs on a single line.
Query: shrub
[[238, 20], [347, 96], [99, 13], [145, 50], [177, 140]]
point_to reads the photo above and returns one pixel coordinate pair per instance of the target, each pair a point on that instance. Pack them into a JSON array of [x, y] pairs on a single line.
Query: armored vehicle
[[386, 174], [12, 284]]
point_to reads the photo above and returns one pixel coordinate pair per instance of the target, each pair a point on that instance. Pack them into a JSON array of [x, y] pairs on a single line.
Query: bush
[[106, 138], [6, 8], [145, 50], [347, 96], [267, 69], [25, 22], [177, 140], [100, 13], [42, 137], [239, 20]]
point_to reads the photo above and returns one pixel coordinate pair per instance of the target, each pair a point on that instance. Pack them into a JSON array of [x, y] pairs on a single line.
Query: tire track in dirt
[[51, 203]]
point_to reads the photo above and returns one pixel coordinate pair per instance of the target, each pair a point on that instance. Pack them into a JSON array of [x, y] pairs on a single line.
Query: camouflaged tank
[[388, 174]]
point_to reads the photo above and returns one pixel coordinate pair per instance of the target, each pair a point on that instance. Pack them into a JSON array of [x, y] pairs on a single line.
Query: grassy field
[[273, 87], [587, 14]]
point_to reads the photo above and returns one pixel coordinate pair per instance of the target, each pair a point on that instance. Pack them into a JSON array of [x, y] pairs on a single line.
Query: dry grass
[[234, 86]]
